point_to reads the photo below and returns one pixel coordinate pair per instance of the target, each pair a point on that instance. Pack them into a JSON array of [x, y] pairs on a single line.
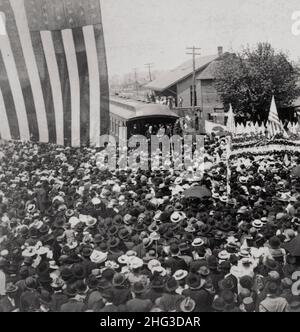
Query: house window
[[195, 95]]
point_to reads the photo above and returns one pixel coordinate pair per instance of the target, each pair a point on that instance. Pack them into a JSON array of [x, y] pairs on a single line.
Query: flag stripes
[[30, 62], [65, 84], [46, 87], [93, 70], [104, 89], [72, 65], [8, 102], [4, 125], [53, 72], [18, 76], [16, 89], [81, 55], [56, 89]]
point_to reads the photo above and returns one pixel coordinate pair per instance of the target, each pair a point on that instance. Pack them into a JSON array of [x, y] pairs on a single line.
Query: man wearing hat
[[273, 302], [142, 247], [157, 287], [108, 300], [9, 302], [93, 295], [294, 304], [187, 305], [175, 262], [139, 303], [29, 300], [114, 249], [180, 277], [58, 297], [198, 293], [75, 302], [185, 252], [120, 289], [215, 274], [170, 299], [45, 301], [86, 253]]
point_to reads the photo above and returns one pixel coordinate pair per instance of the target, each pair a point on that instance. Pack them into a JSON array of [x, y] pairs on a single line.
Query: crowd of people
[[76, 237]]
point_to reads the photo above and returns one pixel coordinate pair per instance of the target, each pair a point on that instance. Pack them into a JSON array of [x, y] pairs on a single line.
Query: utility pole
[[194, 50], [136, 81], [194, 54], [149, 65]]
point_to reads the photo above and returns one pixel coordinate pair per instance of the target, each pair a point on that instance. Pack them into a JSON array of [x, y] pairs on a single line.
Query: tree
[[249, 80]]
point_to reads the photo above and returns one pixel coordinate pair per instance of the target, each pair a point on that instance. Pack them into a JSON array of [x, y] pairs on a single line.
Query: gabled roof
[[179, 73], [209, 72], [129, 109]]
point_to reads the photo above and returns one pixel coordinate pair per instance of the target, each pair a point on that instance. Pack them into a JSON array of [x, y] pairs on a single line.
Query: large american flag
[[53, 72]]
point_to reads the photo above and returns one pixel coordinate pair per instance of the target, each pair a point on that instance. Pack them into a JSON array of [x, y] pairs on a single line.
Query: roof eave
[[181, 79]]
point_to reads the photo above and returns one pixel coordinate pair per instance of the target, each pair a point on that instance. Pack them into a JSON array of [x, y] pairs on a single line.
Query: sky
[[158, 31]]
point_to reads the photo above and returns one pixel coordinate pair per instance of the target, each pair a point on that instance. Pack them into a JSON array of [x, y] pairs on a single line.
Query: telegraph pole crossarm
[[149, 66], [194, 54]]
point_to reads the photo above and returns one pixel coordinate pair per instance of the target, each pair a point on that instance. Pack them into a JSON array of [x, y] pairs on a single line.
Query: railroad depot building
[[178, 83]]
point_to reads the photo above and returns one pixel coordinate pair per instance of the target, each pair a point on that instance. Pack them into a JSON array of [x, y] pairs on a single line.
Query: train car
[[129, 117]]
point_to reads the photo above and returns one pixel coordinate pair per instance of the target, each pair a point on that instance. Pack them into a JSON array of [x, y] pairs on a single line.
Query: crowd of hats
[[78, 237]]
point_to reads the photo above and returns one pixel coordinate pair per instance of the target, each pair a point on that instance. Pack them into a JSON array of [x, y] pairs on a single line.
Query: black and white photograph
[[149, 159]]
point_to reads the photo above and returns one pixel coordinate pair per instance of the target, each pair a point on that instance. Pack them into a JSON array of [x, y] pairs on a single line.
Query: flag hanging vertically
[[274, 126], [231, 121], [53, 72]]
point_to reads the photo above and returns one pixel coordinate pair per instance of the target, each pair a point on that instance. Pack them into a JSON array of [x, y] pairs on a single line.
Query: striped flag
[[274, 126], [231, 121], [53, 72]]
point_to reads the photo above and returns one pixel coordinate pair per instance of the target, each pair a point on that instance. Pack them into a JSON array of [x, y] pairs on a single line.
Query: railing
[[266, 149]]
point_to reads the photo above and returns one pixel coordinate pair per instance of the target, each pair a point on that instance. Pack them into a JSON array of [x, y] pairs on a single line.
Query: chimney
[[220, 51]]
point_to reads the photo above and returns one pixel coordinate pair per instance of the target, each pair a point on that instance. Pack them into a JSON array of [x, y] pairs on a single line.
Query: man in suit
[[74, 304], [197, 292], [30, 298], [139, 304], [108, 299], [174, 262], [121, 289], [8, 302]]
